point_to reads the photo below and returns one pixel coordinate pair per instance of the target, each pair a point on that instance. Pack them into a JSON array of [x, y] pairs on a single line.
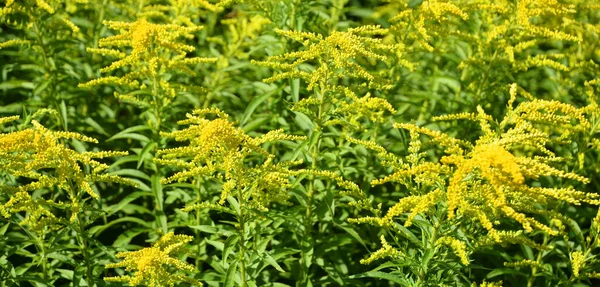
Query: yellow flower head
[[386, 251], [335, 56], [217, 146], [38, 155], [155, 266], [155, 50], [489, 179], [577, 262]]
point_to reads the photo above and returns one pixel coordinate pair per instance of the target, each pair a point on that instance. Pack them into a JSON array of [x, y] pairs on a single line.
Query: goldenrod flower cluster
[[335, 57], [507, 37], [34, 10], [40, 157], [350, 110], [155, 266], [577, 261], [510, 34], [421, 24], [156, 51], [458, 246], [386, 251], [339, 56], [217, 149], [487, 181]]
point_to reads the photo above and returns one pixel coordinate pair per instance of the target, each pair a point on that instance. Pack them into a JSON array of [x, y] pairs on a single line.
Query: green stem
[[43, 259], [140, 6], [156, 107], [336, 8], [158, 204], [86, 257], [42, 45], [314, 153], [198, 252], [49, 69], [242, 233], [486, 74], [534, 269], [431, 246], [98, 25], [231, 49]]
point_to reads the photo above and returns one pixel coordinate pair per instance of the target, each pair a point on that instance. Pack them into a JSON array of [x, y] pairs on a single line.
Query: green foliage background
[[311, 119]]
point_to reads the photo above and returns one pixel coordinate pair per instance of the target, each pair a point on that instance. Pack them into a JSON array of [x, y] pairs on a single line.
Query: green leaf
[[271, 261], [126, 200], [231, 274], [146, 153], [408, 234], [157, 191], [130, 133], [126, 237], [95, 230], [295, 84], [64, 116], [160, 202], [206, 228], [217, 244], [4, 228], [97, 127], [234, 203], [252, 106], [382, 275], [230, 243], [131, 172], [352, 233], [501, 271], [12, 84], [303, 121], [254, 124]]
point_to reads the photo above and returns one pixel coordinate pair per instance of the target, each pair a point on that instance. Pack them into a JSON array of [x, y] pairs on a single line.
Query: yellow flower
[[491, 284], [155, 266], [458, 246], [489, 179], [335, 57], [217, 146], [577, 261], [386, 251], [421, 23], [155, 50], [39, 155]]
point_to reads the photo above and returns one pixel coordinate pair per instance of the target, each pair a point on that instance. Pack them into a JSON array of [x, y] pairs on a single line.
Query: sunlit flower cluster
[[37, 159], [487, 180], [155, 266], [335, 57], [217, 149], [155, 50]]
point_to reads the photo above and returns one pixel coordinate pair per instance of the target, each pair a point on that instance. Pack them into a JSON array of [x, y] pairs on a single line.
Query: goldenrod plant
[[324, 62], [299, 142], [155, 56], [48, 188], [157, 68], [484, 180], [251, 179], [38, 29]]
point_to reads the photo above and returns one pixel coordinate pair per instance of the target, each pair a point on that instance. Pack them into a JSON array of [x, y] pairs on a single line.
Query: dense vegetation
[[299, 143]]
